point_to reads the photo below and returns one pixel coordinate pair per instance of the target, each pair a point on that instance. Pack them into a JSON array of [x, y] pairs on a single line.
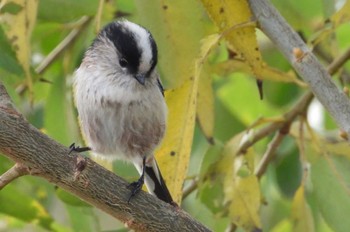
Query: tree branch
[[101, 188], [271, 151], [13, 173], [306, 64]]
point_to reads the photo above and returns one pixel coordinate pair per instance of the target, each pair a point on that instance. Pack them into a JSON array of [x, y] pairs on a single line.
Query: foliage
[[210, 57]]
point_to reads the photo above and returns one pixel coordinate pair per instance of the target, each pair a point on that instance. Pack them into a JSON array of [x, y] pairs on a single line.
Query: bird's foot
[[78, 149], [136, 187]]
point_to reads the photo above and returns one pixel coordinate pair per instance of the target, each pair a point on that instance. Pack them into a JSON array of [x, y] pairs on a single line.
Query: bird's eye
[[123, 62]]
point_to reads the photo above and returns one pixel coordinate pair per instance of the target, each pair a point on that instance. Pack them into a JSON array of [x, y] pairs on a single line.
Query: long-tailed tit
[[120, 101]]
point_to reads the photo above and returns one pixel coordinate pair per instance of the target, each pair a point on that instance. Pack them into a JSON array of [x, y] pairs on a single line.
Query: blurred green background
[[303, 189]]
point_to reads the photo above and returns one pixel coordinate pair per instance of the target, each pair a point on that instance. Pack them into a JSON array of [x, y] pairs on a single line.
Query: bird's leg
[[137, 185], [72, 148]]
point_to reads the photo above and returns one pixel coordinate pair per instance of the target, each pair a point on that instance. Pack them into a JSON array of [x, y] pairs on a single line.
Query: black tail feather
[[160, 188]]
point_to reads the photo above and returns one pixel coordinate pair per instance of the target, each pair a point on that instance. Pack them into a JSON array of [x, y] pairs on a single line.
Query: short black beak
[[141, 78]]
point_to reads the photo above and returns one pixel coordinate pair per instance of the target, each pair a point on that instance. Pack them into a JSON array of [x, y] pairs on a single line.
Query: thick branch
[[312, 72], [24, 144]]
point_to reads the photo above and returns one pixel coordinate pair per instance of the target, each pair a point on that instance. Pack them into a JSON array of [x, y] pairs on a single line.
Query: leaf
[[341, 16], [332, 146], [175, 150], [70, 199], [56, 107], [236, 94], [18, 30], [301, 213], [69, 10], [211, 196], [213, 155], [245, 203], [178, 45], [8, 59], [283, 226], [205, 105], [337, 19], [240, 194], [82, 218], [230, 16], [11, 8], [330, 177], [17, 204]]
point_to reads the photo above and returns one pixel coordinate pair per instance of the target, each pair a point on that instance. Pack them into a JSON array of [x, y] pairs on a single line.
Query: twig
[[99, 15], [63, 45], [231, 228], [189, 189], [13, 173], [269, 154], [339, 62], [298, 108], [301, 145]]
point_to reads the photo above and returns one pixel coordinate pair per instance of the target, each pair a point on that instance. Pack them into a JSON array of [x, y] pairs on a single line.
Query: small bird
[[120, 102]]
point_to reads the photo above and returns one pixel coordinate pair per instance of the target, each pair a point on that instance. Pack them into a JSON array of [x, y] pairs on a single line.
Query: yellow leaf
[[301, 213], [177, 27], [174, 153], [241, 193], [342, 16], [234, 14], [334, 146], [245, 203], [205, 106], [283, 226], [19, 28]]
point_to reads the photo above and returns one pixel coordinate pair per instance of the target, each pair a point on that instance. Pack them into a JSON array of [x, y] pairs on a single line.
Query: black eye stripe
[[125, 43]]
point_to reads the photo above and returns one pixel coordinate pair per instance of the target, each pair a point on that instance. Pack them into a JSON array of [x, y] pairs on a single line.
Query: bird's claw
[[136, 187], [78, 149]]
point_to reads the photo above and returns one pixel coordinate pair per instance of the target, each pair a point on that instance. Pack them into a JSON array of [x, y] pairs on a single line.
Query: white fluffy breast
[[118, 116]]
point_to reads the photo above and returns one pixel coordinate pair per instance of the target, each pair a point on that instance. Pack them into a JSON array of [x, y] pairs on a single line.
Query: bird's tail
[[155, 182]]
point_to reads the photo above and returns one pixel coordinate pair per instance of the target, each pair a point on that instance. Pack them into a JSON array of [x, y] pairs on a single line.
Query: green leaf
[[224, 187], [8, 60], [23, 207], [211, 195], [82, 219], [68, 10], [11, 8], [330, 177], [239, 92], [212, 156], [70, 199], [56, 124]]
